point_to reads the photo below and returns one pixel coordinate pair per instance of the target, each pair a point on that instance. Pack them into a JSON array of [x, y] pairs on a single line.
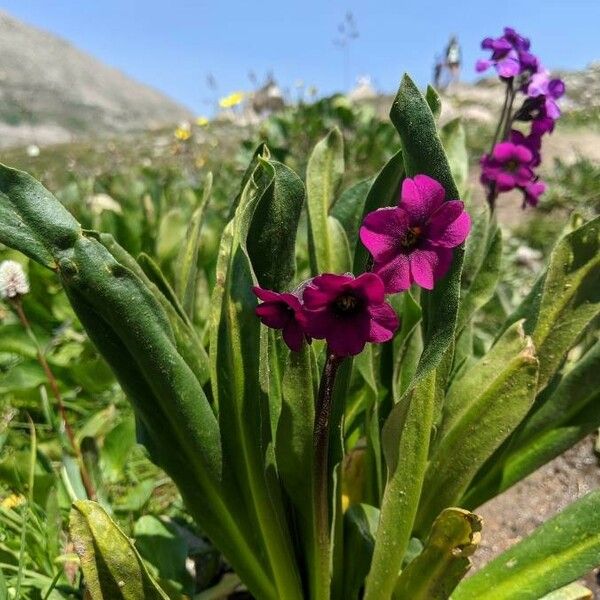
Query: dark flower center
[[512, 165], [347, 304], [409, 239]]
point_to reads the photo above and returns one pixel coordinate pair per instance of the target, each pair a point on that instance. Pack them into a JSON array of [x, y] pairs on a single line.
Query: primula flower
[[282, 311], [13, 281], [412, 243], [508, 167], [348, 312]]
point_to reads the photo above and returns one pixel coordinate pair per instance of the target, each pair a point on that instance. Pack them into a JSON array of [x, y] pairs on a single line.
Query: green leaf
[[407, 342], [187, 261], [433, 101], [407, 430], [576, 390], [295, 428], [383, 192], [423, 153], [158, 542], [3, 586], [563, 418], [132, 331], [110, 563], [555, 554], [118, 443], [572, 591], [445, 559], [349, 208], [323, 176], [25, 206], [340, 250], [454, 141], [406, 434], [465, 390], [477, 243], [294, 449], [272, 236], [476, 431], [360, 528], [170, 235], [565, 299], [239, 352], [188, 344]]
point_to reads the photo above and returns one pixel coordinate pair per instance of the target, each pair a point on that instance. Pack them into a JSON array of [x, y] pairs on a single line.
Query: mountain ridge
[[52, 92]]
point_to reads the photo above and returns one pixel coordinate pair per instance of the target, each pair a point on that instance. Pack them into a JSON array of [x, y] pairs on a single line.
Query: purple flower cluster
[[513, 158], [411, 243], [510, 55]]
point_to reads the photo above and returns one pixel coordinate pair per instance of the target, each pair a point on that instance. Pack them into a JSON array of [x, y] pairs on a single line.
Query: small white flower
[[13, 281]]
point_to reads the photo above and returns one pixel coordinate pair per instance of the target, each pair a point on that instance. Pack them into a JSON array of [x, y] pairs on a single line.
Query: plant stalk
[[321, 472], [503, 126], [17, 304]]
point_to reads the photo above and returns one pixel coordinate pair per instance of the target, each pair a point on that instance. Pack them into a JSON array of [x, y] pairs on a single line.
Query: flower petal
[[522, 153], [505, 181], [503, 152], [384, 323], [420, 196], [381, 231], [274, 314], [395, 274], [370, 287], [293, 336], [323, 289], [265, 295], [429, 264], [449, 226], [348, 338]]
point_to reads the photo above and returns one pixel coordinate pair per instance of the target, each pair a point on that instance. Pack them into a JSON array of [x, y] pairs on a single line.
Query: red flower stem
[[85, 477], [321, 469]]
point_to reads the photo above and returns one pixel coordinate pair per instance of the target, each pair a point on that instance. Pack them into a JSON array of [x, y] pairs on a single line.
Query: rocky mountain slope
[[52, 92]]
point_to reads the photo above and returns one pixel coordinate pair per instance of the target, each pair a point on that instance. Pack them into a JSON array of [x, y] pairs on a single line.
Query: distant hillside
[[52, 92]]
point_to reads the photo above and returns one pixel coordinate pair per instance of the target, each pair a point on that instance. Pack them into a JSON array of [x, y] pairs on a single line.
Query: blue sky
[[174, 45]]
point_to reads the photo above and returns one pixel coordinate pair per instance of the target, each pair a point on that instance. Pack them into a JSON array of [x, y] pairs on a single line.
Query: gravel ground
[[518, 511]]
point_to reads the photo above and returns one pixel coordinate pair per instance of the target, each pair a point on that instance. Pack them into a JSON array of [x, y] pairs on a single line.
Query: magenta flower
[[348, 312], [282, 311], [533, 141], [412, 243], [532, 192], [510, 55], [508, 167], [540, 84]]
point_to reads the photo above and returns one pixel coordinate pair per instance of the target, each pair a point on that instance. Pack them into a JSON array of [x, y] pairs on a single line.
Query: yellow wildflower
[[202, 121], [12, 501], [183, 132], [345, 502], [231, 100]]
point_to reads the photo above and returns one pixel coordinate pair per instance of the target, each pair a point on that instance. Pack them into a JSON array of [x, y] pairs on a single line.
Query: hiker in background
[[453, 57]]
